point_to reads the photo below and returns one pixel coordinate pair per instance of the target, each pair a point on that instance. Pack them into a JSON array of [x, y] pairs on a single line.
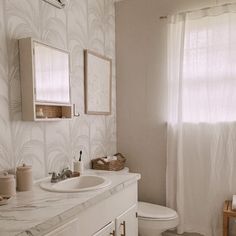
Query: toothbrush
[[80, 156]]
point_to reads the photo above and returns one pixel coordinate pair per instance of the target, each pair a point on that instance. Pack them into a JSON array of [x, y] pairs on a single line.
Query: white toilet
[[153, 219]]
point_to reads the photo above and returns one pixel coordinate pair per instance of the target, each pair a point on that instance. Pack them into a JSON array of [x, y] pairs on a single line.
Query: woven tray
[[116, 165]]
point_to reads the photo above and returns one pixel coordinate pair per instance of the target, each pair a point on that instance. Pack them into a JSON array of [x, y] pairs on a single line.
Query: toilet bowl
[[153, 219]]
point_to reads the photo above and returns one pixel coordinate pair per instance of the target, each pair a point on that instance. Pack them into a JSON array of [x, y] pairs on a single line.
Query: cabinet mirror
[[52, 83]]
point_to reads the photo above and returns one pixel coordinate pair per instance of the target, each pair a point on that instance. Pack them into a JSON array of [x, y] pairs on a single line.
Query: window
[[209, 69]]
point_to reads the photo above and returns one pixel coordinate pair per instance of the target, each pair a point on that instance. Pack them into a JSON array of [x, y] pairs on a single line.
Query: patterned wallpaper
[[50, 146]]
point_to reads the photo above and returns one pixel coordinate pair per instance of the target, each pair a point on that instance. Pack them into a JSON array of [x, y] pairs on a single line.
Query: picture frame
[[98, 83]]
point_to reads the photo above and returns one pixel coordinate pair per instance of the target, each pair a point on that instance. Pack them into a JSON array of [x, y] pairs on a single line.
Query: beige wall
[[142, 88]]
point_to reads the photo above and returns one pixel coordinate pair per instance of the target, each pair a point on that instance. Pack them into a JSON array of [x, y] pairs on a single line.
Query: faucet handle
[[64, 169], [66, 173], [52, 173]]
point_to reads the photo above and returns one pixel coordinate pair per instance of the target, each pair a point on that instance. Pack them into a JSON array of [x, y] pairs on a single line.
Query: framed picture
[[98, 79]]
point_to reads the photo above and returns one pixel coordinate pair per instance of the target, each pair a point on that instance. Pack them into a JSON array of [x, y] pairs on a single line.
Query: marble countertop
[[35, 212]]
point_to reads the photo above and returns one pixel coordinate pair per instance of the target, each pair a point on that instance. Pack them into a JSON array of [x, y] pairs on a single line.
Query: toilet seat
[[150, 211]]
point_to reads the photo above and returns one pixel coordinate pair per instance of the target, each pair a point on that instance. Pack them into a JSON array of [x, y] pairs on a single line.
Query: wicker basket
[[116, 165]]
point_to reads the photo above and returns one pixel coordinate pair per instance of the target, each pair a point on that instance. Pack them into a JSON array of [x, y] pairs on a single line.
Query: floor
[[232, 230], [173, 233]]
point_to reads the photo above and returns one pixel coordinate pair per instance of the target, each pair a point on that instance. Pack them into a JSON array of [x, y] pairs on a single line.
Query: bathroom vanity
[[104, 212]]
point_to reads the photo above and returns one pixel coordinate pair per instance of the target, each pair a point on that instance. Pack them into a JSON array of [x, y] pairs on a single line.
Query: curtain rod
[[201, 9]]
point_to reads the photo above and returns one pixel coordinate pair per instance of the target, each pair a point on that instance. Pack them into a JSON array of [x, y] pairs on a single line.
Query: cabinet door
[[108, 230], [127, 223], [71, 228], [52, 80]]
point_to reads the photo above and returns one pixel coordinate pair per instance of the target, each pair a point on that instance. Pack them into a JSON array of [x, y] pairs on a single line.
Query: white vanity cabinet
[[127, 223], [71, 228], [113, 216], [45, 81], [108, 230]]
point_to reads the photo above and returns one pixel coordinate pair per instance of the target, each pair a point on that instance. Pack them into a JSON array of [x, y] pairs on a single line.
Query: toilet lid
[[153, 211]]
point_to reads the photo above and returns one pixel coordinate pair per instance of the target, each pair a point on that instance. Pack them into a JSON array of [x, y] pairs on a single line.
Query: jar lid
[[6, 176], [24, 167]]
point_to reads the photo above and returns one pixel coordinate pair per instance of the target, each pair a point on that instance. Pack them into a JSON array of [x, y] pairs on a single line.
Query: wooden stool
[[227, 214]]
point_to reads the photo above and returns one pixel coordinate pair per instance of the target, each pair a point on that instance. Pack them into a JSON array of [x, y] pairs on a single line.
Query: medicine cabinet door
[[52, 80]]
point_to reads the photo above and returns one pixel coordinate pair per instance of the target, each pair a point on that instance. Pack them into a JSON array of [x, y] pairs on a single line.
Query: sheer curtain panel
[[201, 162]]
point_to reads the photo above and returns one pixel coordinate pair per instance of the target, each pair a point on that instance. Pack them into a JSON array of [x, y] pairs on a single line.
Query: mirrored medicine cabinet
[[45, 81]]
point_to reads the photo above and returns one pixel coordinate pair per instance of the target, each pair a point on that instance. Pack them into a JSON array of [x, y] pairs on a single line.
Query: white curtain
[[201, 163]]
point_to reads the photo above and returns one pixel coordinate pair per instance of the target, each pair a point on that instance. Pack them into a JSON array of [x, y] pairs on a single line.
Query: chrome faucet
[[65, 173], [55, 177]]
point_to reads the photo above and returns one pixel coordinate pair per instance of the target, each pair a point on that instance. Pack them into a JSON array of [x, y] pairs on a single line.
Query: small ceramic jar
[[24, 178], [7, 185]]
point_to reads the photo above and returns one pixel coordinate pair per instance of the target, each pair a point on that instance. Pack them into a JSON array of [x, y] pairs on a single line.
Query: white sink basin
[[77, 184]]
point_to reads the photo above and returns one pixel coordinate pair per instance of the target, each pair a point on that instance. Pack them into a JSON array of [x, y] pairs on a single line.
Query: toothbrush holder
[[78, 166]]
